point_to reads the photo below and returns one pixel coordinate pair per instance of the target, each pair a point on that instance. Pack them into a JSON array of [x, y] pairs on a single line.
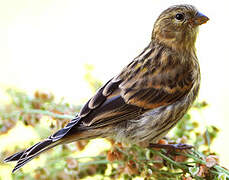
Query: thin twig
[[48, 113]]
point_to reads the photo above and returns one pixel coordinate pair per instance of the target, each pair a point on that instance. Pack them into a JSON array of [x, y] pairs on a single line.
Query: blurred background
[[48, 44]]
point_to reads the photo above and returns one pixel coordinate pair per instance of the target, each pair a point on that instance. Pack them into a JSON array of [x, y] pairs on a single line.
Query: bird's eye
[[179, 16]]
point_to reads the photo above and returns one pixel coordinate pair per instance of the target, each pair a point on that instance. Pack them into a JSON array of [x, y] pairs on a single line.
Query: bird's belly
[[152, 125]]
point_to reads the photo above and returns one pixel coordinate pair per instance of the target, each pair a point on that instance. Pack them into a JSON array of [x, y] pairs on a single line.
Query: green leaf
[[222, 176], [193, 170]]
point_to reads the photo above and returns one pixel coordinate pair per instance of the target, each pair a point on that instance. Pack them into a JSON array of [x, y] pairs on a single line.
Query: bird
[[147, 98]]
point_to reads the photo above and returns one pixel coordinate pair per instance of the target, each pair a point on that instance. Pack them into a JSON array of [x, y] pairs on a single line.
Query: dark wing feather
[[113, 110], [107, 107], [102, 96], [144, 84]]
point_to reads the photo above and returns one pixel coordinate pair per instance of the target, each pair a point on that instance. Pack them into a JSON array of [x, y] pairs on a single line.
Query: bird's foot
[[178, 146]]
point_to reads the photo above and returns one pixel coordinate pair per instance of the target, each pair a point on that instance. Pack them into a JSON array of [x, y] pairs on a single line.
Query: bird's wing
[[106, 107], [135, 91], [157, 84], [141, 86]]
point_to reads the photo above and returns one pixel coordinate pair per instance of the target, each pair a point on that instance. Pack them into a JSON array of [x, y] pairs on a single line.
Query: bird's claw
[[178, 146]]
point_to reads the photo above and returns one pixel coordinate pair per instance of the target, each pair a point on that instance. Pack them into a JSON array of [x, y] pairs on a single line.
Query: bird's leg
[[171, 148], [178, 146]]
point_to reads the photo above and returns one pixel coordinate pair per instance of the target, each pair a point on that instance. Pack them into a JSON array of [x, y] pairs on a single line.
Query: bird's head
[[177, 27]]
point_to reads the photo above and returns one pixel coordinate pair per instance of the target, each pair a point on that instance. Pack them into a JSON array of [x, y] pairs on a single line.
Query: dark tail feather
[[14, 157], [25, 156]]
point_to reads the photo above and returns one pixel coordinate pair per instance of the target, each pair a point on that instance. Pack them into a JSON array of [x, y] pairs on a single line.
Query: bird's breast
[[155, 124]]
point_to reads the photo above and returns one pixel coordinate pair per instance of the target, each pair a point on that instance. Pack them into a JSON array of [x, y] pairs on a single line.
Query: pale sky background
[[44, 44]]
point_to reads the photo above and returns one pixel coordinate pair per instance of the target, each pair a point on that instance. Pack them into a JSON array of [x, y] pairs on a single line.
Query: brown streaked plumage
[[150, 95]]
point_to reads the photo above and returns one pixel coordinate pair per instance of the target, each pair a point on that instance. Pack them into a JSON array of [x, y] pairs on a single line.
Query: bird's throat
[[177, 41]]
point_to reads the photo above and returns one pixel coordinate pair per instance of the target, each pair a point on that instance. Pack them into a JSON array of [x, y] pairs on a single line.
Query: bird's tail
[[24, 157]]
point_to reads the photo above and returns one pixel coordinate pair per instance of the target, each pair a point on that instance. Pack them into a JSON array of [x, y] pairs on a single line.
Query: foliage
[[117, 162]]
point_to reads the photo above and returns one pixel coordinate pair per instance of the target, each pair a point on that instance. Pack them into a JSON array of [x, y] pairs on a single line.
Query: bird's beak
[[199, 19]]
